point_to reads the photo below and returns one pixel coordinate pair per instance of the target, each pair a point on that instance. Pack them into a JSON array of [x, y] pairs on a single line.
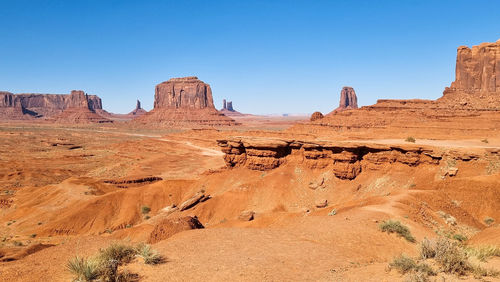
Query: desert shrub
[[427, 248], [425, 268], [410, 139], [485, 141], [451, 257], [403, 264], [479, 272], [489, 221], [33, 235], [119, 252], [149, 255], [84, 269], [417, 277], [145, 209], [147, 217], [460, 237], [483, 252], [333, 212], [391, 226], [18, 244]]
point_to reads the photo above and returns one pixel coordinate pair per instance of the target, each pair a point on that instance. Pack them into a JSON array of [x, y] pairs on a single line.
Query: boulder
[[247, 215], [316, 116]]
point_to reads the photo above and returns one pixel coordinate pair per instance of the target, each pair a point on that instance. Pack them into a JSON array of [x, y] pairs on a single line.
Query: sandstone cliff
[[78, 110], [477, 78], [184, 101], [348, 99]]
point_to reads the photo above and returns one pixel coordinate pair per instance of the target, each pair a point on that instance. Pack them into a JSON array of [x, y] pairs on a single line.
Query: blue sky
[[265, 56]]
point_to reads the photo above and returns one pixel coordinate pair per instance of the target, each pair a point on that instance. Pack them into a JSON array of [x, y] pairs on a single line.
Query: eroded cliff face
[[477, 77], [185, 101], [184, 92], [346, 159]]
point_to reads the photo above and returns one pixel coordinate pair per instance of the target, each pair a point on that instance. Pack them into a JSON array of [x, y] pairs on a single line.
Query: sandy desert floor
[[68, 190]]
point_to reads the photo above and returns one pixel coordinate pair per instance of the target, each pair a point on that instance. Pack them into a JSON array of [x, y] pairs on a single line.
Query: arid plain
[[357, 194]]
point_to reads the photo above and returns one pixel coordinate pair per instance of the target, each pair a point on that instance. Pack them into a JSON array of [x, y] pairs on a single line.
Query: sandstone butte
[[348, 99], [470, 106], [184, 101]]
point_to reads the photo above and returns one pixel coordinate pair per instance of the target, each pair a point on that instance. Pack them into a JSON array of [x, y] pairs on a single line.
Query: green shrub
[[145, 209], [403, 264], [425, 268], [396, 227], [149, 255], [489, 221], [460, 237], [84, 269], [119, 252], [410, 139], [480, 272]]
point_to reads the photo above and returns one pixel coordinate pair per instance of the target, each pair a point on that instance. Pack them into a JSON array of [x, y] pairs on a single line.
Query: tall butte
[[348, 99], [79, 110], [477, 78], [184, 101]]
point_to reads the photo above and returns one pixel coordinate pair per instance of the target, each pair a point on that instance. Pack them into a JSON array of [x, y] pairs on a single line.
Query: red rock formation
[[345, 159], [228, 110], [477, 78], [78, 110], [45, 105], [138, 111], [184, 101], [316, 116], [348, 99]]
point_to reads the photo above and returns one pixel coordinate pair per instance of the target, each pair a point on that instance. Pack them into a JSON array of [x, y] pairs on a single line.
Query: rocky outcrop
[[79, 110], [138, 111], [345, 159], [477, 77], [185, 101], [316, 116], [348, 99]]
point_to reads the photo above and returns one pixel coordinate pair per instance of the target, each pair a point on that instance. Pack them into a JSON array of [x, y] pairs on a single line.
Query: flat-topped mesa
[[184, 101], [477, 77], [78, 99], [183, 92]]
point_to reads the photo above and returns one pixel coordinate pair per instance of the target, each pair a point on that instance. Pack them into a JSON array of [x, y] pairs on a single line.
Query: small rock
[[247, 215], [191, 202], [452, 171], [322, 203]]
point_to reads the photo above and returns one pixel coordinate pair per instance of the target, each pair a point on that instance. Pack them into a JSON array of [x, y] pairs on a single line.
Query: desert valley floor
[[71, 190]]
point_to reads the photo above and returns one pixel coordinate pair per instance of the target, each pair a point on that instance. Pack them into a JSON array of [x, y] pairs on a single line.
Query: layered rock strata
[[184, 101], [345, 159]]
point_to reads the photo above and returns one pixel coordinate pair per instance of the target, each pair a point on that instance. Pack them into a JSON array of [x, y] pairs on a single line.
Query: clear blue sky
[[266, 56]]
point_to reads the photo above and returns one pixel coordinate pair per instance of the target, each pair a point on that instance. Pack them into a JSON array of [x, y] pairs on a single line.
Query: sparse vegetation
[[392, 226], [403, 264], [147, 217], [460, 237], [104, 266], [148, 254], [84, 269], [484, 252], [145, 209], [33, 235], [485, 141], [489, 221], [333, 212], [410, 139], [18, 244]]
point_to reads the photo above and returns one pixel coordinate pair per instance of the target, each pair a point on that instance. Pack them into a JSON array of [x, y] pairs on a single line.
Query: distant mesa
[[44, 106], [138, 111], [228, 110], [184, 101], [80, 110]]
